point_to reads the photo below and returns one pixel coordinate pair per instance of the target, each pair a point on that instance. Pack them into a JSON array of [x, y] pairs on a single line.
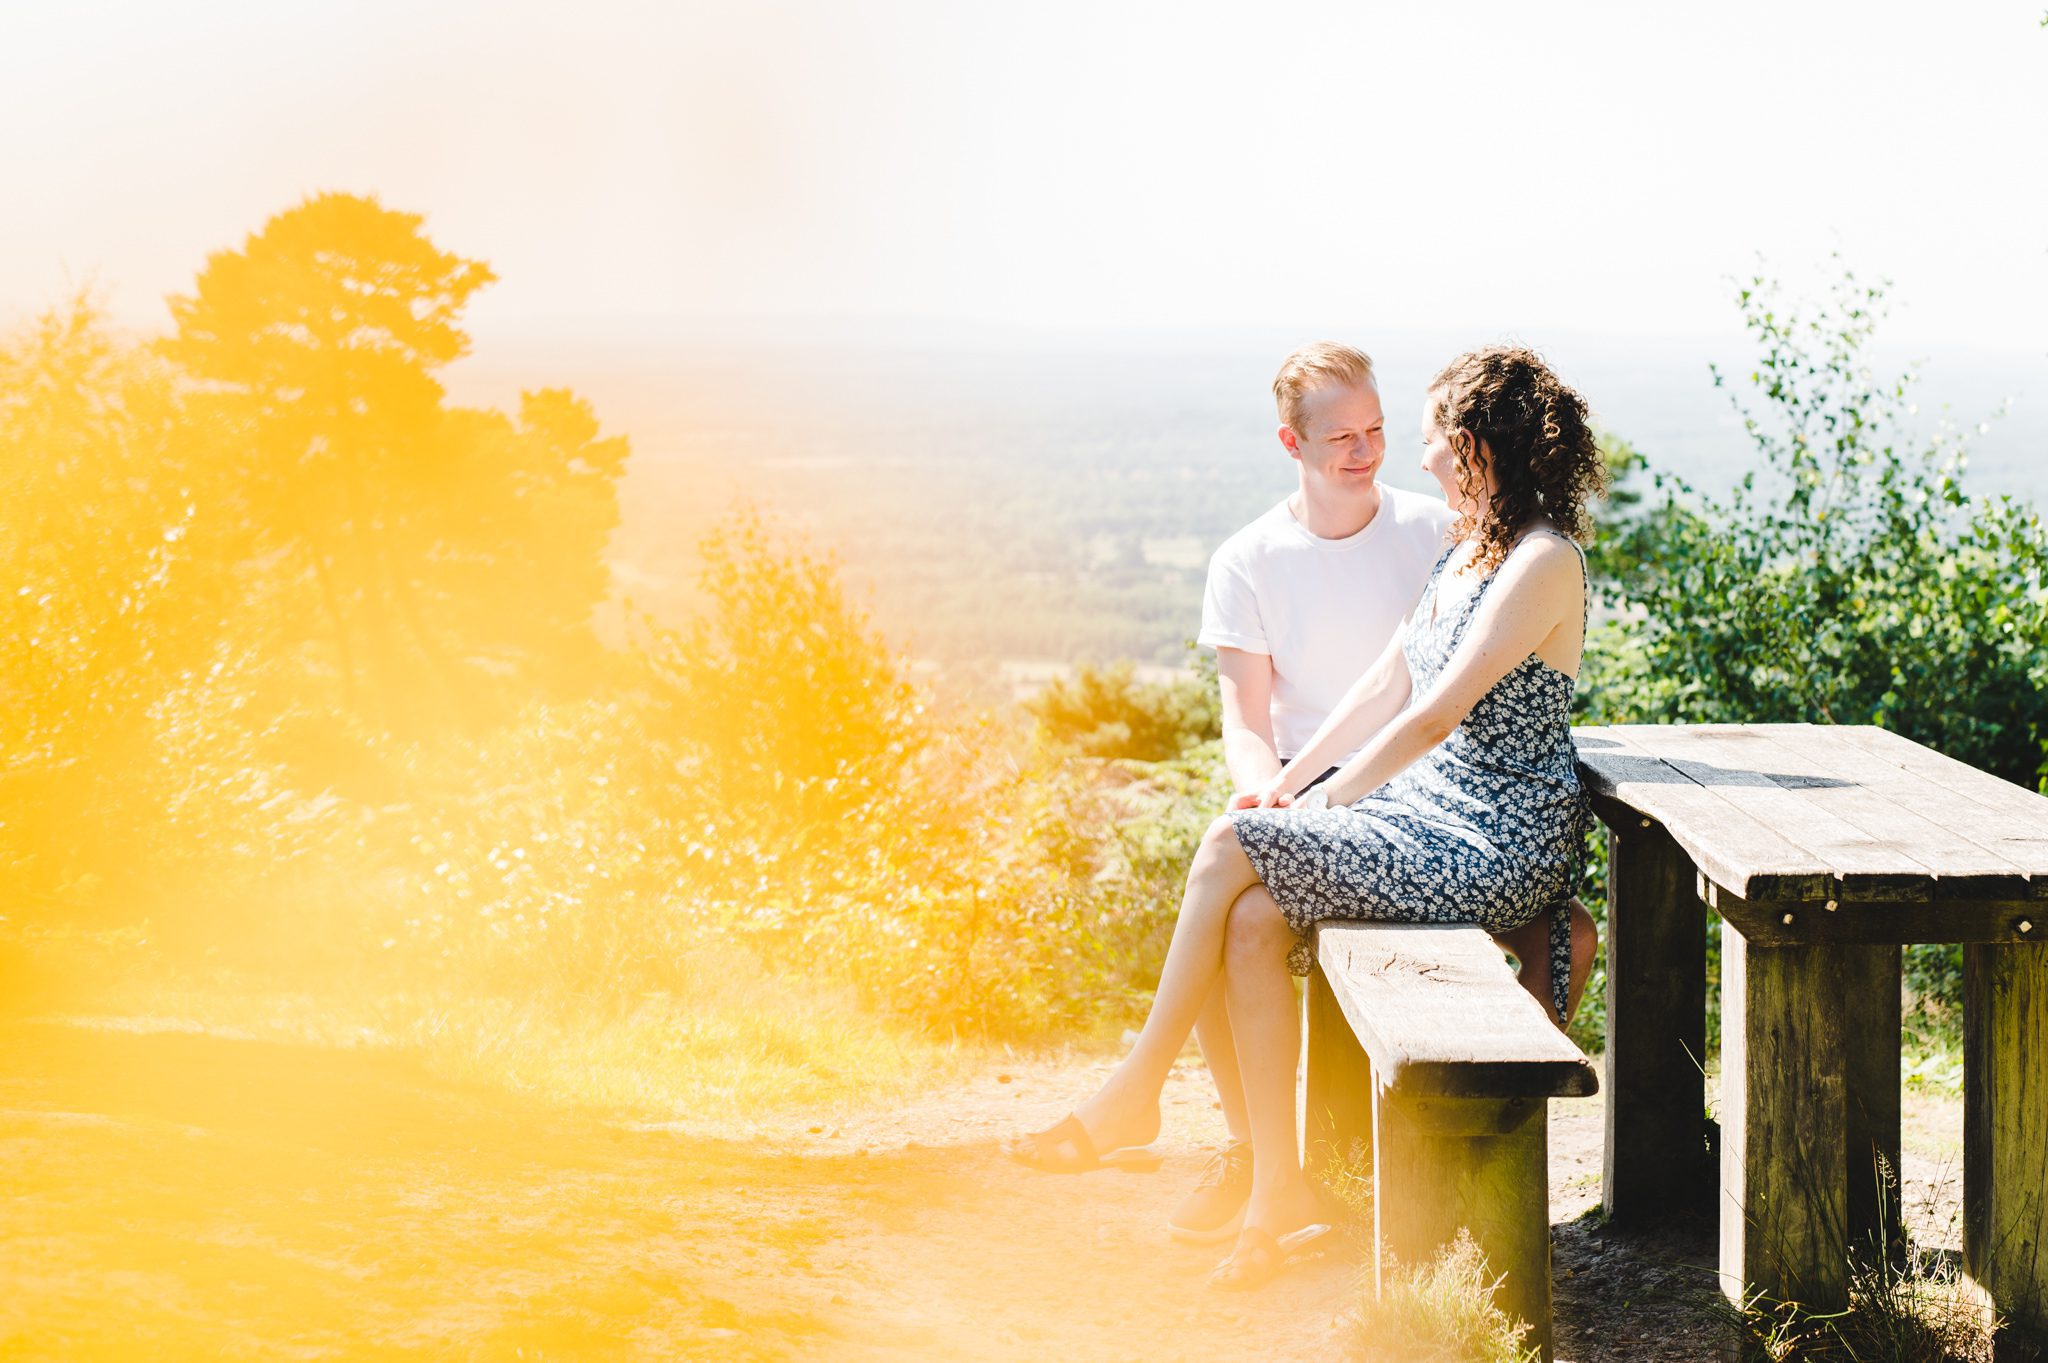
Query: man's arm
[[1369, 706], [1246, 681]]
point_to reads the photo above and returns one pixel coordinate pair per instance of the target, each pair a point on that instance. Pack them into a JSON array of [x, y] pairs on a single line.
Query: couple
[[1396, 682]]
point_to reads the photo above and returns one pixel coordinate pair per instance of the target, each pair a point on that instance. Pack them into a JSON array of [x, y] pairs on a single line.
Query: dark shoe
[[1215, 1209], [1259, 1256], [1066, 1149]]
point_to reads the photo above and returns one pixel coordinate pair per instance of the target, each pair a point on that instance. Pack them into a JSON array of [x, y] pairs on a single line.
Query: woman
[[1462, 806]]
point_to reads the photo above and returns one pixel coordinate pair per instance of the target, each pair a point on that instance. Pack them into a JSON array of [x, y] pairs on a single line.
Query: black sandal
[[1258, 1256], [1066, 1149]]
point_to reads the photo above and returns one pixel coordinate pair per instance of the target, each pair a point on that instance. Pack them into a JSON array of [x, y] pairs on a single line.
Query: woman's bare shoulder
[[1544, 559]]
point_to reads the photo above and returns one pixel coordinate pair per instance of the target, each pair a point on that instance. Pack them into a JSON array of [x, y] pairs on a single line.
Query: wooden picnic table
[[1823, 849]]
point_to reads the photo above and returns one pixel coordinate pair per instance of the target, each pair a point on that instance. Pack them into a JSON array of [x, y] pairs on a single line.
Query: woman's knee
[[1256, 926], [1220, 845], [1221, 835]]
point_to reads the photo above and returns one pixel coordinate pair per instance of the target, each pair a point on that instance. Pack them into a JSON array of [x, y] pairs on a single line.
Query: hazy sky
[[1075, 165]]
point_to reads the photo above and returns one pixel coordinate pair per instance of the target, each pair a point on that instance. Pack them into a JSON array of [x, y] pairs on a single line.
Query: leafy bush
[[1107, 712], [1848, 580], [956, 873], [213, 729], [123, 756]]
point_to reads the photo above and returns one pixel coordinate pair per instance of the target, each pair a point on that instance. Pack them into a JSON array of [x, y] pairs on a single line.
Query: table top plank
[[2007, 818], [1886, 800], [1728, 844], [1783, 787]]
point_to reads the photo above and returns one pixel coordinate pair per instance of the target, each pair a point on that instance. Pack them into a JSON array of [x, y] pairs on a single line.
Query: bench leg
[[1657, 1165], [1338, 1120], [1804, 1111], [2005, 1134], [1477, 1163]]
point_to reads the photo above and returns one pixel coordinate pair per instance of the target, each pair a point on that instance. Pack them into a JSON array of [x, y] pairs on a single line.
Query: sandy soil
[[176, 1194]]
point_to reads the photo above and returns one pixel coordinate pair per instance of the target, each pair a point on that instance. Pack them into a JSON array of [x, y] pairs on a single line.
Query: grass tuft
[[1443, 1313]]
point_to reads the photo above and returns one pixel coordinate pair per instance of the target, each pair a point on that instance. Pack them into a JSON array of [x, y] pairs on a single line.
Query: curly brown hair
[[1534, 428]]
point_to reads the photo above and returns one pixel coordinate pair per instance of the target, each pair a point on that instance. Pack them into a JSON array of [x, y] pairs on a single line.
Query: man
[[1298, 604]]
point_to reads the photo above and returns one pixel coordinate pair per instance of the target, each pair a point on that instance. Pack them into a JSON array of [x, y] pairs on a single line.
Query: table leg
[[2005, 1134], [1803, 1037], [1337, 1123], [1876, 1226], [1657, 1164]]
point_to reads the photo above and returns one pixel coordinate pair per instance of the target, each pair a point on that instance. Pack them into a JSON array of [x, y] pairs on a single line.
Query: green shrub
[[1107, 712], [1849, 578]]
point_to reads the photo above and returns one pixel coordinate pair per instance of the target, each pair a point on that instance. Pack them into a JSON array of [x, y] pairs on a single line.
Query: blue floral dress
[[1488, 827]]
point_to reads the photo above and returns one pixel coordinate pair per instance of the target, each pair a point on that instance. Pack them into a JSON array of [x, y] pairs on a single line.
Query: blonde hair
[[1312, 366]]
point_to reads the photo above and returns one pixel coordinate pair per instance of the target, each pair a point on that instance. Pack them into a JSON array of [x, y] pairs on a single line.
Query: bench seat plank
[[1441, 1014]]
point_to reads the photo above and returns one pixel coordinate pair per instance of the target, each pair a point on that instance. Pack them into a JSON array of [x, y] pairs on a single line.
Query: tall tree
[[435, 548]]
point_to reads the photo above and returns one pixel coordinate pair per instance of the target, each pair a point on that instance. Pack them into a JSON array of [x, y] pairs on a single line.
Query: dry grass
[[1442, 1313], [728, 1043], [1908, 1303]]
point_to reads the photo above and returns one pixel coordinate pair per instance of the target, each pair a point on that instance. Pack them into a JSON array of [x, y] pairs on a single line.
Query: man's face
[[1342, 437]]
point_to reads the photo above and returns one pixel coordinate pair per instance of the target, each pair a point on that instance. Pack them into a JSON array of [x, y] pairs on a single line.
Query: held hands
[[1272, 795]]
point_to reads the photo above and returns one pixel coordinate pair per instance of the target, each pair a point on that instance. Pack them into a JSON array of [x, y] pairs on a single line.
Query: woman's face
[[1439, 455]]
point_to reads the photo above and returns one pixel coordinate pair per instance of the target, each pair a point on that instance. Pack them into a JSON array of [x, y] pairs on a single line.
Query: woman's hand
[[1273, 795]]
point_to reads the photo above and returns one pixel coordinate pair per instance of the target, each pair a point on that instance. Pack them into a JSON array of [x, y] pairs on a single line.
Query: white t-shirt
[[1323, 609]]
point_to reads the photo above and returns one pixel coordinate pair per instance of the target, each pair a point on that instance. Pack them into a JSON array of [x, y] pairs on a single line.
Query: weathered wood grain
[[1824, 848], [1896, 807], [1794, 1024], [1723, 840], [1779, 924], [2005, 1133], [1870, 1076], [1657, 1166], [1781, 788], [2006, 818], [1476, 1164], [1337, 1117], [1440, 1013]]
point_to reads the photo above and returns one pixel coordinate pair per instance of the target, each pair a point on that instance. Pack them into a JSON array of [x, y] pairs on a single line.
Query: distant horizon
[[1054, 474], [905, 330]]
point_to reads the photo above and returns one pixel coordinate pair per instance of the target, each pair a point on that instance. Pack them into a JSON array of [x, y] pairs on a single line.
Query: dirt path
[[175, 1194]]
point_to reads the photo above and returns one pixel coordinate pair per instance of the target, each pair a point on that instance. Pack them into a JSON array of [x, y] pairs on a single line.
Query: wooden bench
[[1424, 1051]]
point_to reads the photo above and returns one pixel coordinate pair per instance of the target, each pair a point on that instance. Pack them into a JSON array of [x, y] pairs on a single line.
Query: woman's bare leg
[[1266, 1023], [1219, 1051], [1125, 1110], [1531, 945]]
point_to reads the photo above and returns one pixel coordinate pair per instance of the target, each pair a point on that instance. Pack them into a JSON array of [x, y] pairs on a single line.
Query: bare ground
[[172, 1194]]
